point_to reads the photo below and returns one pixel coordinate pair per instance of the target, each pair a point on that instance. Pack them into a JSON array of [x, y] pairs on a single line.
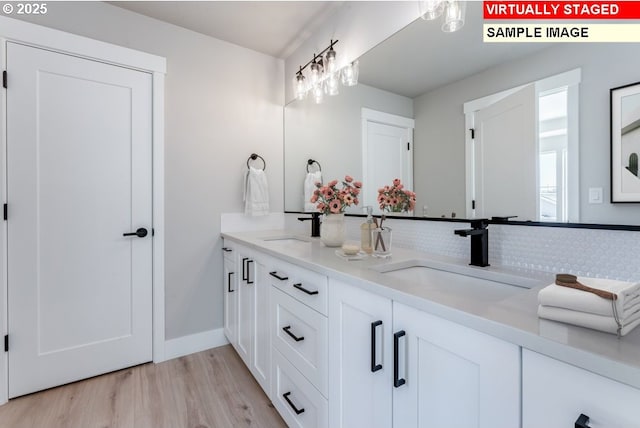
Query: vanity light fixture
[[324, 75], [453, 11]]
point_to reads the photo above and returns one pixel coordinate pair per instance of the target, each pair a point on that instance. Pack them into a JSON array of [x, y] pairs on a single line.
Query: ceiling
[[275, 28], [421, 58]]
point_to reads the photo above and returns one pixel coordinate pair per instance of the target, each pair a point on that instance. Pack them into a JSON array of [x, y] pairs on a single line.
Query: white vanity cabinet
[[555, 394], [392, 365], [230, 295], [452, 376], [299, 335], [246, 310]]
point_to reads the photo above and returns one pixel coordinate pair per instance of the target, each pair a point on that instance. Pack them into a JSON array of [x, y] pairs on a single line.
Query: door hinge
[[5, 210], [473, 204], [6, 343], [473, 133], [408, 146], [4, 79]]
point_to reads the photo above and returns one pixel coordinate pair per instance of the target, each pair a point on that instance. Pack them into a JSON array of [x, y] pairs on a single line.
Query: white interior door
[[387, 154], [78, 177], [506, 157]]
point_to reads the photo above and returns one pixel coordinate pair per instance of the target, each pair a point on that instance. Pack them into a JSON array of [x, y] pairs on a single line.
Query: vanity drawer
[[301, 335], [305, 286], [297, 401]]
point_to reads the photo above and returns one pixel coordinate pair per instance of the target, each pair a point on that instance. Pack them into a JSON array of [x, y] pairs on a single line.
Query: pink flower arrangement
[[395, 198], [332, 200]]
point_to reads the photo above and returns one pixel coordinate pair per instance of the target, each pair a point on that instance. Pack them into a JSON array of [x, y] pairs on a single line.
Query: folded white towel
[[607, 324], [578, 300], [256, 193], [310, 181]]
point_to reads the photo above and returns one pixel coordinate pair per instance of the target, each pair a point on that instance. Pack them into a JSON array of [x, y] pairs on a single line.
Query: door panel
[[506, 157], [79, 176]]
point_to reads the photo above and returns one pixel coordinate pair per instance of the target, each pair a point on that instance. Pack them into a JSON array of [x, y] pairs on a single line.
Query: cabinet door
[[246, 299], [360, 360], [455, 377], [555, 394], [261, 361], [230, 301]]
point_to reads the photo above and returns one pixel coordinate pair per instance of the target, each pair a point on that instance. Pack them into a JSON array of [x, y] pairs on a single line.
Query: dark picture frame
[[625, 143]]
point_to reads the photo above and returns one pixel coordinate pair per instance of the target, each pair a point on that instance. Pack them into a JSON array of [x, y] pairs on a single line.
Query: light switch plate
[[595, 195]]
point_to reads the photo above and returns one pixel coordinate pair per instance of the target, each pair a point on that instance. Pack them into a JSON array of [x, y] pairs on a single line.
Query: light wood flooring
[[209, 389]]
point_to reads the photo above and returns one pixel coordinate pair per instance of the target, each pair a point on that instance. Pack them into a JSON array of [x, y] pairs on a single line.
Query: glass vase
[[382, 242], [332, 230]]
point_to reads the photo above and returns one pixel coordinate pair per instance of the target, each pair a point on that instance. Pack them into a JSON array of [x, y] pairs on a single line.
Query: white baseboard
[[193, 343]]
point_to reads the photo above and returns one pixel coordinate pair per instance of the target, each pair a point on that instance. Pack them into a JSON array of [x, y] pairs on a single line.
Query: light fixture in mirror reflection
[[324, 76], [452, 10], [430, 83]]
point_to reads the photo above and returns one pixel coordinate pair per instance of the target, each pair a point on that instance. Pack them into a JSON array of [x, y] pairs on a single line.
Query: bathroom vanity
[[415, 340]]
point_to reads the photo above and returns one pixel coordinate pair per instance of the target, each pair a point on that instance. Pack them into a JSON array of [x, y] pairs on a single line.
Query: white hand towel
[[256, 193], [578, 300], [607, 324], [310, 181]]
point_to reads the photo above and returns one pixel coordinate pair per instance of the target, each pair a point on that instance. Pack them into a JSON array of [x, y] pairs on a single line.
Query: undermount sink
[[434, 271], [288, 239]]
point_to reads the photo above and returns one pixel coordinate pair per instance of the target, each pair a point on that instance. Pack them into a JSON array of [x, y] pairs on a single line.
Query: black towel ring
[[311, 162], [254, 157]]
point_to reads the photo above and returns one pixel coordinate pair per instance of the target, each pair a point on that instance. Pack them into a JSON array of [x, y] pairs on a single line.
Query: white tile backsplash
[[586, 252]]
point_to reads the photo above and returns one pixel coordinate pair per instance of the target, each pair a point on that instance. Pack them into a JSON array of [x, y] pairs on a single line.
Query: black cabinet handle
[[226, 250], [397, 381], [374, 367], [249, 272], [304, 290], [140, 233], [293, 336], [275, 275], [229, 283], [293, 406], [582, 421], [244, 268]]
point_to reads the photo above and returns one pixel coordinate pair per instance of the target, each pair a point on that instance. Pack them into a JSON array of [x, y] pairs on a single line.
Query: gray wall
[[331, 133], [223, 102], [439, 135]]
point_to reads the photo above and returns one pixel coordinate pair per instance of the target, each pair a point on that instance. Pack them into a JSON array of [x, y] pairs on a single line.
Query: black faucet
[[479, 241], [315, 224]]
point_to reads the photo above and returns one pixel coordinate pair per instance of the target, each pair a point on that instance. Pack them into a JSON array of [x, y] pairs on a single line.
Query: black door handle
[[229, 283], [293, 336], [249, 272], [374, 367], [140, 233], [226, 249], [244, 268], [397, 381], [293, 406], [304, 290], [582, 421]]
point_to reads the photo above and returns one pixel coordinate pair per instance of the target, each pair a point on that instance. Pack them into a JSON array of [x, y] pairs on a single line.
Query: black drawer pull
[[397, 381], [293, 336], [275, 275], [229, 283], [293, 406], [374, 367], [304, 290], [226, 250], [582, 421], [249, 272], [244, 268]]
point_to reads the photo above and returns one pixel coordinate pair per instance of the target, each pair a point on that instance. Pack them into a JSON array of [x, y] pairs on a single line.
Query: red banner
[[582, 10]]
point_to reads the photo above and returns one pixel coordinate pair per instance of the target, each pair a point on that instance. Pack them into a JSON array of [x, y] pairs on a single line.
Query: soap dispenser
[[366, 232]]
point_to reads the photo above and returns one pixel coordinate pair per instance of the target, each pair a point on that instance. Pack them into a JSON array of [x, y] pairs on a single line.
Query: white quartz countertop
[[504, 311]]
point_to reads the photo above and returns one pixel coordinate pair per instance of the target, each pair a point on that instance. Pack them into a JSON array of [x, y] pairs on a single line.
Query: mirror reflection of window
[[553, 146]]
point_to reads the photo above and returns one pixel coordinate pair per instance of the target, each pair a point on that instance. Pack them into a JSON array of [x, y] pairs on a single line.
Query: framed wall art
[[625, 143]]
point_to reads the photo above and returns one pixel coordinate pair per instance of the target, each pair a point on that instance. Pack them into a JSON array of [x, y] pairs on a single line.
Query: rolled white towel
[[569, 298], [607, 324]]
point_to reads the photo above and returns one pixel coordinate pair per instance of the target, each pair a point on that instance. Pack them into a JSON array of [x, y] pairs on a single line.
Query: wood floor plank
[[210, 389]]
